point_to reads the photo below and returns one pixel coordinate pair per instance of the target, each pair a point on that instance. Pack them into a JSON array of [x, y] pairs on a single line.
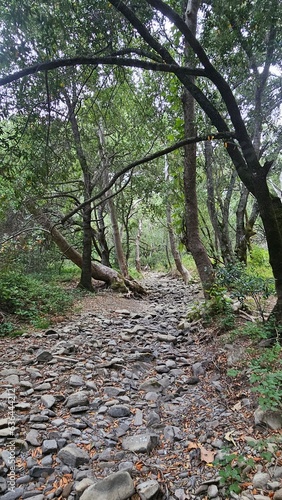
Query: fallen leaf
[[191, 446], [207, 455], [237, 407], [228, 437]]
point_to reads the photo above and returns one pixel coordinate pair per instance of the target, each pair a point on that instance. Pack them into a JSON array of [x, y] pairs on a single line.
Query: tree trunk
[[174, 250], [86, 277], [101, 237], [86, 271], [113, 215], [98, 271], [192, 236], [137, 247]]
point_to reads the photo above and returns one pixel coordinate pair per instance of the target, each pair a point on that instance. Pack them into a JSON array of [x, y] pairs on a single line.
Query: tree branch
[[146, 159], [107, 60]]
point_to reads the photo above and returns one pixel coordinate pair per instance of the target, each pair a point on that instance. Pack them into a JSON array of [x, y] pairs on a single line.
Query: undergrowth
[[28, 298]]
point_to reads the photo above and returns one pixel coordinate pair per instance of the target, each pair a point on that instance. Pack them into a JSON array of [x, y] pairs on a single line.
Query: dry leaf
[[237, 407], [191, 446], [207, 455], [228, 437]]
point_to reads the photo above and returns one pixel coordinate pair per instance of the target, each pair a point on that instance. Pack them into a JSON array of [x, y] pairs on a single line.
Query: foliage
[[29, 299], [266, 373], [231, 467], [241, 284]]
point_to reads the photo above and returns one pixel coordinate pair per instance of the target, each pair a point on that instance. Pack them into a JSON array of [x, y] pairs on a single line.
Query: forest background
[[140, 135]]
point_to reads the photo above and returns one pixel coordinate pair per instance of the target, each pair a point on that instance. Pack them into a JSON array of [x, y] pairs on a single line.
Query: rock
[[149, 490], [172, 433], [198, 369], [48, 400], [152, 384], [43, 356], [33, 437], [165, 338], [43, 472], [260, 480], [138, 419], [113, 392], [212, 491], [73, 456], [140, 443], [271, 418], [76, 381], [278, 495], [118, 485], [119, 411], [82, 485], [77, 399], [49, 446]]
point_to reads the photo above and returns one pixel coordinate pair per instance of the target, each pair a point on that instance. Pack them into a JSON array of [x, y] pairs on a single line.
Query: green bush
[[29, 298], [242, 284]]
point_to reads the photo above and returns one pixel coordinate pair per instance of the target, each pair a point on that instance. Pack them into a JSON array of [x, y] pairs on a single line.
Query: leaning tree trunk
[[98, 272], [192, 237]]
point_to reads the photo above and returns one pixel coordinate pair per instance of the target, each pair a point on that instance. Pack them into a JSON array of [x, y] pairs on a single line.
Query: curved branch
[[107, 60], [146, 159]]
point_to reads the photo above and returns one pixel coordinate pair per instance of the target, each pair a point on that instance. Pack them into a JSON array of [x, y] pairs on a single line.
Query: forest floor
[[115, 386]]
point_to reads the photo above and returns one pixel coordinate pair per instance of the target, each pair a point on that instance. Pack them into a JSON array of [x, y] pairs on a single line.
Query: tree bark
[[137, 247], [174, 250], [86, 276], [112, 209], [192, 236]]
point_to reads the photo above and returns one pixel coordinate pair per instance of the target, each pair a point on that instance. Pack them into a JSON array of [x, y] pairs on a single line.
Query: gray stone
[[49, 446], [43, 387], [149, 490], [128, 466], [114, 391], [271, 418], [116, 486], [278, 495], [260, 480], [152, 384], [3, 484], [141, 443], [165, 338], [48, 400], [172, 433], [13, 495], [33, 437], [43, 356], [82, 485], [76, 381], [153, 419], [38, 471], [119, 411], [38, 418], [77, 399], [198, 369], [212, 491], [6, 432], [73, 456], [138, 419], [36, 497]]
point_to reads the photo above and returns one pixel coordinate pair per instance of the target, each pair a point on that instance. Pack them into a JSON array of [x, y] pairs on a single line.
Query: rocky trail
[[118, 403]]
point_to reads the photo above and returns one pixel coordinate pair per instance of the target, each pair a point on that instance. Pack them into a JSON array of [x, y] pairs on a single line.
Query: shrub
[[29, 298]]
